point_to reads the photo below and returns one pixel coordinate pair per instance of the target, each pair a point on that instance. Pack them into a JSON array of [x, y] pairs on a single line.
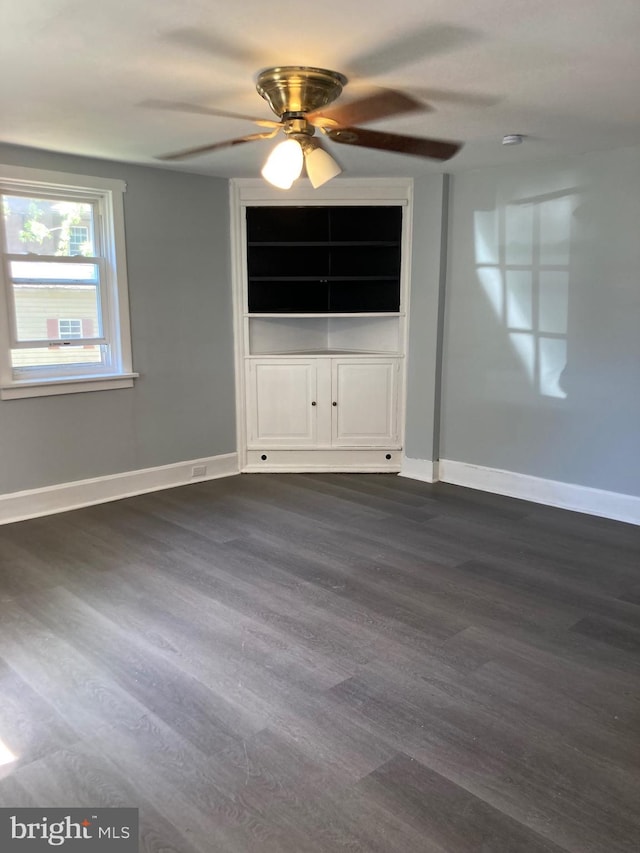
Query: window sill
[[71, 385]]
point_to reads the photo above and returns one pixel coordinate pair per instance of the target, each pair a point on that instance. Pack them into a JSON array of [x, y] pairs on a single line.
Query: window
[[78, 239], [64, 323], [69, 328]]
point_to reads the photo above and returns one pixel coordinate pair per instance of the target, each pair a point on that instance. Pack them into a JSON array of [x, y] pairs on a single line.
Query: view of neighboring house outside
[[52, 302], [51, 312]]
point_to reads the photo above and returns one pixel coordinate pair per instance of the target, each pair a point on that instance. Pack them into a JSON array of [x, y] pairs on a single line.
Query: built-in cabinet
[[322, 402], [321, 292]]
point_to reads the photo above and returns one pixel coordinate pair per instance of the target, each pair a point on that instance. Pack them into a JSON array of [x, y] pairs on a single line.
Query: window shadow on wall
[[522, 256]]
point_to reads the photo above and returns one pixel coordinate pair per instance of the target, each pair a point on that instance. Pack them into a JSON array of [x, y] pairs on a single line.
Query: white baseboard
[[17, 506], [420, 469], [591, 501]]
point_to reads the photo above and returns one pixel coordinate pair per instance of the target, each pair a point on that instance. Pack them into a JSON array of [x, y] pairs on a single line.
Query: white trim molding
[[21, 389], [614, 505], [420, 469], [33, 503], [322, 460]]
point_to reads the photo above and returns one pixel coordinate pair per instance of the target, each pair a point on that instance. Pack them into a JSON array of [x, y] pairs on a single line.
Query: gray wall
[[427, 278], [541, 364], [182, 406], [542, 338]]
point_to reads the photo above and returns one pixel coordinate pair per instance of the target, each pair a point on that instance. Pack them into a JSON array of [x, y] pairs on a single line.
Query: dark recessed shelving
[[322, 243], [326, 278], [324, 259]]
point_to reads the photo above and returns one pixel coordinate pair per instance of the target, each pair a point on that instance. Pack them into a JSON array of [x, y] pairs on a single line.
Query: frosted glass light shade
[[284, 164], [321, 167]]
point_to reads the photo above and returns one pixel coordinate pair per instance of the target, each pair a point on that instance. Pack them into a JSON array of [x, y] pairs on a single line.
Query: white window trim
[[120, 373]]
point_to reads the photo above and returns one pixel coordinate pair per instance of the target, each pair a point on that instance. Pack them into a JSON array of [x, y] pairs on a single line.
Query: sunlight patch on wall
[[491, 281], [6, 756], [486, 236], [553, 360], [522, 253], [519, 287], [522, 343]]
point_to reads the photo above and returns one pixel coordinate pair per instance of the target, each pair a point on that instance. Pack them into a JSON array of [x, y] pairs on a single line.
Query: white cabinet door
[[365, 402], [281, 403], [318, 402]]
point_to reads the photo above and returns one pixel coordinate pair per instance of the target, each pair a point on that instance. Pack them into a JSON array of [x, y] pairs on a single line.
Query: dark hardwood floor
[[317, 663]]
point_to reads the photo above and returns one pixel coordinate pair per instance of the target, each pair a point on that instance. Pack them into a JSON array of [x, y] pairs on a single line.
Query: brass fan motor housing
[[298, 88]]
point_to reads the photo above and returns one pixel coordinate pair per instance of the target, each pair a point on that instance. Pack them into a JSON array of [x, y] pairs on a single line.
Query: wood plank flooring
[[317, 663]]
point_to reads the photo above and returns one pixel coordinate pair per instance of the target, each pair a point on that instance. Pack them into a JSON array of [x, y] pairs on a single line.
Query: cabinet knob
[[313, 403], [334, 403]]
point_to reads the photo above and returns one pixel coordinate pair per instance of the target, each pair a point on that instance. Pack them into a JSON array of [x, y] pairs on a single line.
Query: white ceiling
[[77, 75]]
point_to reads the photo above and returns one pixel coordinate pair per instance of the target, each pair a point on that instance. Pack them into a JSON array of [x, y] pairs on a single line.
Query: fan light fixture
[[284, 164], [321, 166]]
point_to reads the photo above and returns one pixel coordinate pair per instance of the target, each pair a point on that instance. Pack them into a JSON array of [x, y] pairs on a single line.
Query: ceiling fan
[[299, 96]]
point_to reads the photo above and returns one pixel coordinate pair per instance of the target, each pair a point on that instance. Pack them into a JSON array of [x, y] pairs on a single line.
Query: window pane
[[45, 226], [63, 356], [43, 311], [46, 271]]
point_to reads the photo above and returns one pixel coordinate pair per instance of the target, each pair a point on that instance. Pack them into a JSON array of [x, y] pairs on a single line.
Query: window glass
[[44, 292], [65, 356], [53, 272], [48, 226]]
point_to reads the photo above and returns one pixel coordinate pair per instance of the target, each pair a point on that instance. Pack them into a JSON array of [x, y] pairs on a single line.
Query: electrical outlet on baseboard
[[199, 471]]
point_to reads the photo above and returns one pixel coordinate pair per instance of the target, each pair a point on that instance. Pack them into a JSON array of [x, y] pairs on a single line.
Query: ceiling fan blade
[[437, 149], [213, 44], [205, 149], [182, 107], [466, 99], [378, 105], [411, 47]]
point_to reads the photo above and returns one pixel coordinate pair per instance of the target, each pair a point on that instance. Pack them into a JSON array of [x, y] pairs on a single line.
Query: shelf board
[[321, 353], [322, 279], [296, 315], [277, 244]]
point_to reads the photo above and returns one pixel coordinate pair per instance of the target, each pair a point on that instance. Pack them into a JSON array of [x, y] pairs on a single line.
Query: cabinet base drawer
[[323, 460]]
